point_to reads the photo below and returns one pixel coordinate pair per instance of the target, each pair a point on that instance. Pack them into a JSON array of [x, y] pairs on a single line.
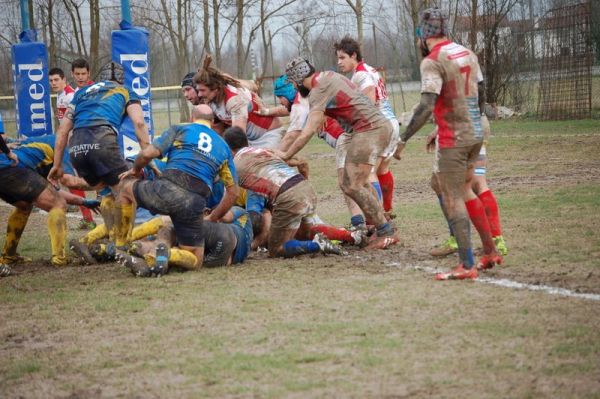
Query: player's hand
[[130, 173], [280, 154], [399, 149], [13, 157], [155, 169], [56, 173], [430, 141], [92, 204]]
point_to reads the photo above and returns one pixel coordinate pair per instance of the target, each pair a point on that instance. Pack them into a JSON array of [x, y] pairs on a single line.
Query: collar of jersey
[[203, 123], [440, 44]]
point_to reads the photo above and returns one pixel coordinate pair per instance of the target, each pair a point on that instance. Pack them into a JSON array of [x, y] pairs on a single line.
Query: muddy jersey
[[261, 171], [240, 102], [366, 76], [341, 100], [63, 99], [299, 114], [37, 153], [452, 72]]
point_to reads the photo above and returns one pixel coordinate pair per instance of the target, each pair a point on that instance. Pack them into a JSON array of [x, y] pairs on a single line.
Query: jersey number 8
[[204, 142]]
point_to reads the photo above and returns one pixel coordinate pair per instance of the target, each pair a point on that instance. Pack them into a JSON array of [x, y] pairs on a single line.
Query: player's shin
[[16, 224], [57, 227]]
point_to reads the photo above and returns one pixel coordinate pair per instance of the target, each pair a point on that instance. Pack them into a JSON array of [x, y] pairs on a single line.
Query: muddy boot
[[82, 251], [137, 266]]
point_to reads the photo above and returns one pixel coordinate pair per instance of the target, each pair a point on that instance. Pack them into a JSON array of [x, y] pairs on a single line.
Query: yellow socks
[[182, 258], [57, 227], [99, 232], [145, 229], [123, 223], [107, 209], [16, 224], [177, 257]]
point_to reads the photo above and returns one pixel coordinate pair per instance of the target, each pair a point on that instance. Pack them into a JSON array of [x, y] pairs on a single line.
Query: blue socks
[[357, 220], [377, 188], [295, 247]]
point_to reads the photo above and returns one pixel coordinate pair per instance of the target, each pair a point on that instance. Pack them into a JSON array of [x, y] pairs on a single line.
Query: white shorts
[[269, 140], [389, 151], [341, 149]]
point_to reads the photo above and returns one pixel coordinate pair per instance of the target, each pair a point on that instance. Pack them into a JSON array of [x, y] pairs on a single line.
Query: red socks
[[491, 210], [480, 221], [87, 214], [386, 181], [332, 233]]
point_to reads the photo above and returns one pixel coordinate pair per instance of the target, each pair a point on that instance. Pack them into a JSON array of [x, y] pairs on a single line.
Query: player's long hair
[[213, 78]]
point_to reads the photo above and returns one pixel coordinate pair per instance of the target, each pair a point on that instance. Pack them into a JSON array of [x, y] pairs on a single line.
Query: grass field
[[365, 325]]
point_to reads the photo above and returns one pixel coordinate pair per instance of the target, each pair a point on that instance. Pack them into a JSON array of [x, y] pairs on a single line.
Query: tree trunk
[[217, 55], [473, 31], [239, 38], [94, 34], [206, 26]]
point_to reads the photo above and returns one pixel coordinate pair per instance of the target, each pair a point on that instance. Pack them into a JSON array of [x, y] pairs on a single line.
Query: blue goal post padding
[[130, 49], [31, 86]]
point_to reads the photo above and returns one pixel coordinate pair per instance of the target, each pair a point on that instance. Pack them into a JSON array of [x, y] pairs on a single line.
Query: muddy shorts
[[457, 159], [21, 184], [389, 151], [96, 155], [294, 206], [185, 208], [219, 243], [268, 140], [366, 147]]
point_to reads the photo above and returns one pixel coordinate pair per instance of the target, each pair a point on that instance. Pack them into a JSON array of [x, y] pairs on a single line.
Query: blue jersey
[[37, 153], [242, 227], [101, 103], [199, 151]]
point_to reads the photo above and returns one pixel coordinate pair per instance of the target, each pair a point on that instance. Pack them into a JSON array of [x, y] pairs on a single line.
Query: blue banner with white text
[[130, 49], [32, 89]]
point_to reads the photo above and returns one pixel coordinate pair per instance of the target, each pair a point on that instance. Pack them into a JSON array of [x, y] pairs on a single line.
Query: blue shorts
[[186, 208]]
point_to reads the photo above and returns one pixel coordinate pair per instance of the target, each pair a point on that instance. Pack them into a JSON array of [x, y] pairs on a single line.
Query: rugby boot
[[489, 261], [501, 245], [82, 251], [383, 242], [15, 259], [327, 247], [360, 237], [458, 273], [4, 270], [86, 225], [137, 266], [103, 251], [446, 248], [161, 264]]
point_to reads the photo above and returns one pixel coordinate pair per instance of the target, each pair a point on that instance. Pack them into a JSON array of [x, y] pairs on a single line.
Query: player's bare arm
[[135, 112], [420, 117], [60, 143], [313, 125], [228, 200]]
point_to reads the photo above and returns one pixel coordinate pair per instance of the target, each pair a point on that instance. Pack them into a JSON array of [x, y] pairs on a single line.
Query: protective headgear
[[282, 87], [432, 23], [188, 80], [298, 69], [111, 71]]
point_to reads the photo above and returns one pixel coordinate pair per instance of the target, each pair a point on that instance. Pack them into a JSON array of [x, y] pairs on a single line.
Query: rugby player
[[235, 105], [371, 84], [196, 157], [95, 115], [481, 188], [23, 184], [291, 195], [452, 88], [64, 96], [369, 137]]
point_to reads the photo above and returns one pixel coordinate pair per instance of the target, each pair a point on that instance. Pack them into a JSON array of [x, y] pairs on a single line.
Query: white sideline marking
[[503, 282]]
